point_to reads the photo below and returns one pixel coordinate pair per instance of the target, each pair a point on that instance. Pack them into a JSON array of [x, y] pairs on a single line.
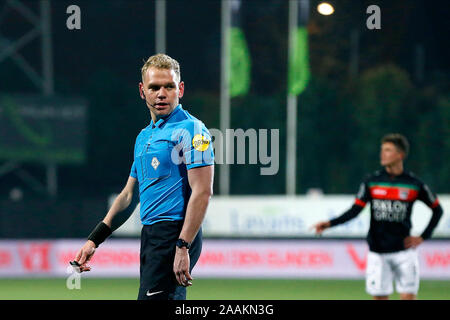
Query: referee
[[391, 193], [173, 169]]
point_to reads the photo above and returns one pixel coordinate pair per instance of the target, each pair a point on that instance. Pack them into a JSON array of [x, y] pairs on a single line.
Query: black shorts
[[158, 244]]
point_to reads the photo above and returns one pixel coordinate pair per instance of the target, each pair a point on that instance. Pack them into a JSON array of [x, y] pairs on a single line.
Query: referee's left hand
[[181, 267]]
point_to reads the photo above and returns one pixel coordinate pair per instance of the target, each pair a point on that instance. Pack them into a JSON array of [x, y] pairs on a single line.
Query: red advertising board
[[219, 258]]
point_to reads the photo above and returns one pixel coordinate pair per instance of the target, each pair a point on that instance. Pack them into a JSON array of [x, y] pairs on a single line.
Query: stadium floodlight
[[325, 9]]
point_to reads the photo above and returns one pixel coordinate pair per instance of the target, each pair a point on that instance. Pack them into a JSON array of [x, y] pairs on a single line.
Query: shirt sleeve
[[196, 144], [431, 200], [133, 172], [362, 197], [428, 197]]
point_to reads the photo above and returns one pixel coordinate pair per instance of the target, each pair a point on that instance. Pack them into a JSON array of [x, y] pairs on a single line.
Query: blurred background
[[70, 112]]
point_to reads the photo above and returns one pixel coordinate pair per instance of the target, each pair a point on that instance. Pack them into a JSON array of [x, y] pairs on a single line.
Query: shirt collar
[[392, 176], [163, 120]]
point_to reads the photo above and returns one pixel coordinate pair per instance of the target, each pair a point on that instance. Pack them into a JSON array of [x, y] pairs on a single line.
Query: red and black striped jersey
[[391, 200]]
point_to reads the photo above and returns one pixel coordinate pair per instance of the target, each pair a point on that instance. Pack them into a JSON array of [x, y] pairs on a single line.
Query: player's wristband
[[100, 233]]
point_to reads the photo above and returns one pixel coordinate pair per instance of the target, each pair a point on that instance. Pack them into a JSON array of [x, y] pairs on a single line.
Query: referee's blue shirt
[[163, 153]]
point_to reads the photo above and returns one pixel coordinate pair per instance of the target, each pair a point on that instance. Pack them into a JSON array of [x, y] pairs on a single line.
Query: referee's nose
[[162, 93]]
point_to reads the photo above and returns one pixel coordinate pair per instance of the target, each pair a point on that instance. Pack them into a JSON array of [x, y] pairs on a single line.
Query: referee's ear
[[141, 90], [180, 89]]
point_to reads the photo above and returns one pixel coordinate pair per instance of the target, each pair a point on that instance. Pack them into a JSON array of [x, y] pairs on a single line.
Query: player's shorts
[[158, 245], [384, 268]]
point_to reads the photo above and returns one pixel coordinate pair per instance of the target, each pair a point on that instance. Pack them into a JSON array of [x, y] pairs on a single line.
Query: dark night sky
[[102, 61], [117, 35]]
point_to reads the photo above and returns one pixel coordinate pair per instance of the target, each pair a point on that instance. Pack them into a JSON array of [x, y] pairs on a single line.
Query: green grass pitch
[[208, 289]]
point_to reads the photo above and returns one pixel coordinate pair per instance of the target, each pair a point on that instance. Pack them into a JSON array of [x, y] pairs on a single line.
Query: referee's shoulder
[[142, 133], [189, 121]]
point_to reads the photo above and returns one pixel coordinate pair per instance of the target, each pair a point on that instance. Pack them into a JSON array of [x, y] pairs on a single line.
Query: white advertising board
[[282, 216]]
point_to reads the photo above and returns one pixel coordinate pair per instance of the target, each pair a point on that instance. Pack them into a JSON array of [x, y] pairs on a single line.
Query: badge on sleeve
[[200, 142]]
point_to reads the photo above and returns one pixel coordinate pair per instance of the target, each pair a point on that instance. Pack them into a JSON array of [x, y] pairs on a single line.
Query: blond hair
[[161, 61]]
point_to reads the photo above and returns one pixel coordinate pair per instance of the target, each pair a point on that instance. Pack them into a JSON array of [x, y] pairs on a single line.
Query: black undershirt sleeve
[[347, 215]]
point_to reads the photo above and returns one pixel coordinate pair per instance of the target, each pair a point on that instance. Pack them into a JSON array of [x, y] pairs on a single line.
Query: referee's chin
[[160, 113]]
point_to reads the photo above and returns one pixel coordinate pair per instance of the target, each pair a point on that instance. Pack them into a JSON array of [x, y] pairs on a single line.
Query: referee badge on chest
[[155, 163]]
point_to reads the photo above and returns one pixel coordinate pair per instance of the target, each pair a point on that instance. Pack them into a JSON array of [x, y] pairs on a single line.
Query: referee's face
[[161, 90]]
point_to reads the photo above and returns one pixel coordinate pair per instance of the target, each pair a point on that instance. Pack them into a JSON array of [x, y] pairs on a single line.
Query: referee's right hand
[[85, 254]]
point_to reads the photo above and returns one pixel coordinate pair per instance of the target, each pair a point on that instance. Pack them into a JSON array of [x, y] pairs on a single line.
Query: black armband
[[100, 233]]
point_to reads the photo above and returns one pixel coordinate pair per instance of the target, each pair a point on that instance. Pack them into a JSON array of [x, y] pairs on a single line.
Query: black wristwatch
[[181, 243]]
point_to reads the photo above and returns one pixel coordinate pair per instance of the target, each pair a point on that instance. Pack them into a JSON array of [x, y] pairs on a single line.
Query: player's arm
[[437, 213], [361, 200], [432, 201], [346, 216], [201, 183], [119, 212]]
